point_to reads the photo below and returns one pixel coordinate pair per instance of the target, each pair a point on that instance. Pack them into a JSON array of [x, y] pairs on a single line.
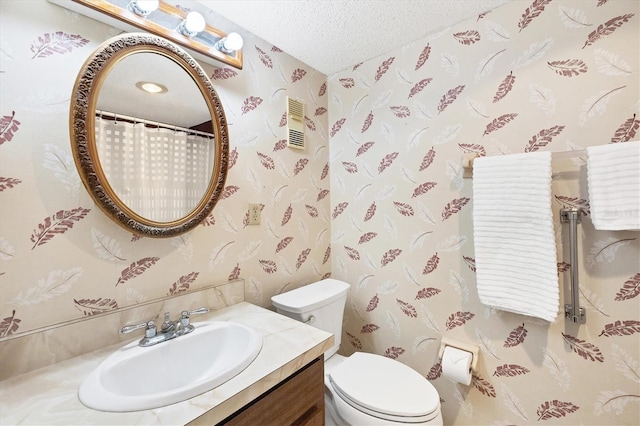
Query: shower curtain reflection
[[160, 173]]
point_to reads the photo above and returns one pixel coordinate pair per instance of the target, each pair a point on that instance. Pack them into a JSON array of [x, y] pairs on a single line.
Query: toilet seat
[[385, 388]]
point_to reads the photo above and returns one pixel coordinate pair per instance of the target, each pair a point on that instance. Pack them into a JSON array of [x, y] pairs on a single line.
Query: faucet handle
[[184, 316], [149, 326], [198, 311]]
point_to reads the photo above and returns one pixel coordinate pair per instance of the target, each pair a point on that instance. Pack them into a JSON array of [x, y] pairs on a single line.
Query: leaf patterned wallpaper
[[551, 75], [61, 258], [393, 217]]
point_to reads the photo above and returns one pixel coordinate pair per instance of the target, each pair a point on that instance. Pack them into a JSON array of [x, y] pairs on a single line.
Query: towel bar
[[573, 216], [468, 157]]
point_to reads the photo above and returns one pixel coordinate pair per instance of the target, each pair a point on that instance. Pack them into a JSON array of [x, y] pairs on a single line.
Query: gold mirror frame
[[83, 143]]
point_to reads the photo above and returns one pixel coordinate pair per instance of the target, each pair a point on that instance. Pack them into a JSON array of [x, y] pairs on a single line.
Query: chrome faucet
[[169, 329], [167, 324]]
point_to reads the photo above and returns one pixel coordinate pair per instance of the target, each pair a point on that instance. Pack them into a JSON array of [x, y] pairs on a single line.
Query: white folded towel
[[613, 173], [515, 248]]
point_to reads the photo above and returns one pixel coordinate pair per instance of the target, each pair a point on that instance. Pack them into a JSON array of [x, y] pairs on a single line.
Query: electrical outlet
[[254, 213]]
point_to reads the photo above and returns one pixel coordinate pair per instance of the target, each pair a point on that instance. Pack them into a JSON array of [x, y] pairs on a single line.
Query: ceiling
[[331, 35], [182, 104]]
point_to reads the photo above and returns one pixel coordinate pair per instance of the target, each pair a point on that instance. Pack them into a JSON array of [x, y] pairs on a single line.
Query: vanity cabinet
[[298, 400]]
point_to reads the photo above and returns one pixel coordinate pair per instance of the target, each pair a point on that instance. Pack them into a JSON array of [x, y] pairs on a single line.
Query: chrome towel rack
[[573, 216]]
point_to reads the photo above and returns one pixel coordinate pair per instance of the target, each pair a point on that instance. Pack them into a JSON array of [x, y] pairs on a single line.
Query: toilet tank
[[320, 304]]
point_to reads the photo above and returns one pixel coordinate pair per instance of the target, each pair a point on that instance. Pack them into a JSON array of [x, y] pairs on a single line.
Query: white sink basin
[[136, 378]]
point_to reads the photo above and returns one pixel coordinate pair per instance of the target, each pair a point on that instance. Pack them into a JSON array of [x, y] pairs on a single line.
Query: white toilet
[[363, 389]]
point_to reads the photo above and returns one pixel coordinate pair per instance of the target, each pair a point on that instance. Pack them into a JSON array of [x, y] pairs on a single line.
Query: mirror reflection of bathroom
[[154, 136]]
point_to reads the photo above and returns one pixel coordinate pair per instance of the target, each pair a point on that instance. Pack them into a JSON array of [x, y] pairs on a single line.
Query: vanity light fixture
[[193, 24], [231, 43], [179, 21], [143, 7], [151, 87]]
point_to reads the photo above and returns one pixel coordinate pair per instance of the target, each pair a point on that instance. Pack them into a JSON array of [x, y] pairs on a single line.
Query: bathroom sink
[[139, 378]]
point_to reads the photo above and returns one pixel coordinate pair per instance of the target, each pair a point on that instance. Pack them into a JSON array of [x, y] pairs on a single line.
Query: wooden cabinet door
[[299, 400]]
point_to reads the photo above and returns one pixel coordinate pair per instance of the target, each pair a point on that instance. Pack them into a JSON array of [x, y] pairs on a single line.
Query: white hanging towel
[[515, 247], [613, 173]]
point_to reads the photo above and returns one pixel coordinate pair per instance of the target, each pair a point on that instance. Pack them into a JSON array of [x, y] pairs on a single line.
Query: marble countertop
[[49, 395]]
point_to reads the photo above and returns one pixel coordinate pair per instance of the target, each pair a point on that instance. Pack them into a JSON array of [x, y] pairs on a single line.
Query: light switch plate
[[254, 213]]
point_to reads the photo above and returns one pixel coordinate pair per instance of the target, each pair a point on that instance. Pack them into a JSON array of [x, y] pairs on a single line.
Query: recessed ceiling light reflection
[[151, 87]]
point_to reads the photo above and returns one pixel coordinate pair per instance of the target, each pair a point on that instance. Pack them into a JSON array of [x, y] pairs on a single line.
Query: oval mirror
[[149, 135]]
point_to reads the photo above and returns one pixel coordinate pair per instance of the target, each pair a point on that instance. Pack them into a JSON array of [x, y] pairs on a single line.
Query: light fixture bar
[[163, 22]]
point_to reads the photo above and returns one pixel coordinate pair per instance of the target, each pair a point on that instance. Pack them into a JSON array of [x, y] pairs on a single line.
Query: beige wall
[[41, 283], [393, 132], [45, 284]]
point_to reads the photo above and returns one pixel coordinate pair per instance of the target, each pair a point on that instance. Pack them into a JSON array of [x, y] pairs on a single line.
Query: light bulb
[[233, 41], [230, 43], [143, 7], [192, 24]]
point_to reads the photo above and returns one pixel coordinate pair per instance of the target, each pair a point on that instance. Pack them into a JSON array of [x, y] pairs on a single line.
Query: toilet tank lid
[[310, 296]]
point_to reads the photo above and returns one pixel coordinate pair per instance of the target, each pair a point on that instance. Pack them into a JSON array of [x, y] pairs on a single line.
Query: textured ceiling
[[331, 35]]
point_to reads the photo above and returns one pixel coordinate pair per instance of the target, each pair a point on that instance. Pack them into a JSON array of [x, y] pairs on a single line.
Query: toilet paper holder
[[463, 346]]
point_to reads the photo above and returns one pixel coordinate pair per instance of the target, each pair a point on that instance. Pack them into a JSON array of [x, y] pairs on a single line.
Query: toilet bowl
[[364, 388]]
